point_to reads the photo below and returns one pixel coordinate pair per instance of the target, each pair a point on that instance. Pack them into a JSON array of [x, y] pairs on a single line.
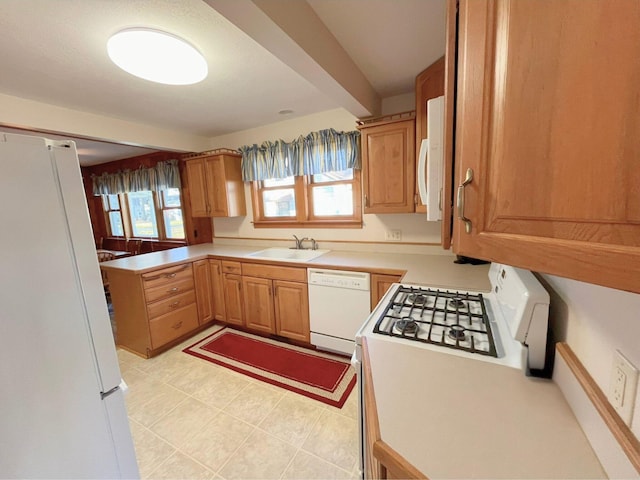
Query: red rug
[[322, 376]]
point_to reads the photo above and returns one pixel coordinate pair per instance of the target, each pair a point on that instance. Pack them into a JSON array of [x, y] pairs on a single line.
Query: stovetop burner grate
[[440, 317]]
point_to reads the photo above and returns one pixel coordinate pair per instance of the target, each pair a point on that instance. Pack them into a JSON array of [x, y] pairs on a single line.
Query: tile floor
[[193, 419]]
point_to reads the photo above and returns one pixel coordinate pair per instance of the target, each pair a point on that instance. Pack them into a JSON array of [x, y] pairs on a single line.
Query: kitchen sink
[[287, 254]]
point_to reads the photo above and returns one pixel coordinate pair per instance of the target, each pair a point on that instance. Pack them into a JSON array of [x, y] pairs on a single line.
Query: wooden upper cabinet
[[429, 84], [216, 187], [197, 187], [388, 165], [548, 103]]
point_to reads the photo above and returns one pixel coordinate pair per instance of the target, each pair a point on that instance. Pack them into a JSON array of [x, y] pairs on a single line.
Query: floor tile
[[292, 418], [307, 466], [218, 390], [261, 456], [179, 466], [215, 442], [334, 438], [181, 424], [254, 402], [151, 450], [161, 400]]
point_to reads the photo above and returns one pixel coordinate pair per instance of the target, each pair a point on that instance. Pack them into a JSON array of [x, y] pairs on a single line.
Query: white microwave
[[431, 160]]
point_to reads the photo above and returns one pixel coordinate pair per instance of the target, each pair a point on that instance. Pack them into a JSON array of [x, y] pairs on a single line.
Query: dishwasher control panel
[[338, 279]]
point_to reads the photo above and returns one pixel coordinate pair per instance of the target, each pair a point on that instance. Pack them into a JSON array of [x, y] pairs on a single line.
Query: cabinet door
[[429, 84], [548, 102], [388, 167], [202, 278], [233, 299], [217, 193], [197, 180], [258, 304], [379, 286], [217, 290], [292, 310]]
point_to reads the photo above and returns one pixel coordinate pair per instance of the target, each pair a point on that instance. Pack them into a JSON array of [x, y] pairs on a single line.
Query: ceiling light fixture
[[157, 56]]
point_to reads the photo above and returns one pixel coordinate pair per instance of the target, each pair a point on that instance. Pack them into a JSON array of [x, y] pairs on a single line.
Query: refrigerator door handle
[[104, 395], [122, 386]]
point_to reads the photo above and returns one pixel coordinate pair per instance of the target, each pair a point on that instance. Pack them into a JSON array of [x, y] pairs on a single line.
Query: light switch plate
[[623, 387]]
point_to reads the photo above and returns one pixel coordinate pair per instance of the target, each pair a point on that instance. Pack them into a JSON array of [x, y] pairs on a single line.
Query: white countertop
[[454, 417], [433, 270]]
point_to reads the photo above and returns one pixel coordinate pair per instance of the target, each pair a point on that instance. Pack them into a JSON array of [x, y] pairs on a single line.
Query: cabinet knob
[[468, 179]]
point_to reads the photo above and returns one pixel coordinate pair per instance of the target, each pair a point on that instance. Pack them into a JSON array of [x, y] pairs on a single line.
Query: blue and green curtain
[[317, 152], [162, 176]]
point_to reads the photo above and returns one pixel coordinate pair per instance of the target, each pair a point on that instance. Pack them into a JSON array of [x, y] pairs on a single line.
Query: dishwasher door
[[339, 302]]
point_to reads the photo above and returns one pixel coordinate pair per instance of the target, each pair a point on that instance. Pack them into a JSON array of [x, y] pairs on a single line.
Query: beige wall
[[414, 227], [596, 321]]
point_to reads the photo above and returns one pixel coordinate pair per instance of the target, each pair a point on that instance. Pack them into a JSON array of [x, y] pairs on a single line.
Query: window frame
[[158, 208], [303, 193], [106, 210]]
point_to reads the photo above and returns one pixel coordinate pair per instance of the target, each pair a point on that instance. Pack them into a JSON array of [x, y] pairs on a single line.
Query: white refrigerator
[[62, 410]]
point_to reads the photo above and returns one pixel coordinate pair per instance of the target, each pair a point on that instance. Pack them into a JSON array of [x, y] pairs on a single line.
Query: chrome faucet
[[299, 242], [314, 244]]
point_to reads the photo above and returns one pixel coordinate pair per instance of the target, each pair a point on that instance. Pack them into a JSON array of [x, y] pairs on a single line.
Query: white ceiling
[[55, 52]]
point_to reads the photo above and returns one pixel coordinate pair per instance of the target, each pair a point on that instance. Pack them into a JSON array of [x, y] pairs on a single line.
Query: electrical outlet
[[624, 384], [393, 235]]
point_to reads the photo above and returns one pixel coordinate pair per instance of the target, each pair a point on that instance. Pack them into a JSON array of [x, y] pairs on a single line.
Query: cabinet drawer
[[167, 275], [231, 267], [171, 304], [292, 274], [173, 325], [168, 290]]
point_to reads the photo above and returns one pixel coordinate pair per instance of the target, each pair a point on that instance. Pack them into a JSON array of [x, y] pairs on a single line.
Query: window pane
[[279, 203], [333, 200], [116, 224], [143, 216], [173, 223], [333, 176], [171, 197], [113, 202], [278, 182]]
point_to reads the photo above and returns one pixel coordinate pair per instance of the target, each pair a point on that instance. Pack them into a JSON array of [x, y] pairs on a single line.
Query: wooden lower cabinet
[[204, 291], [156, 309], [292, 310], [233, 298], [258, 304], [217, 287], [379, 285]]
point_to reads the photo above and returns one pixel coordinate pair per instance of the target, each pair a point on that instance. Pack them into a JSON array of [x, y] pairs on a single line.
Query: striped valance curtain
[[162, 176], [318, 152]]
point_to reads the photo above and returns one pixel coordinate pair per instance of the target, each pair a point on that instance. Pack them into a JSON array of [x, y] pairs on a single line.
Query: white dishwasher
[[339, 303]]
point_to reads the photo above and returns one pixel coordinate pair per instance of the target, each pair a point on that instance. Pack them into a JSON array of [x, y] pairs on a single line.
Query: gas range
[[507, 325]]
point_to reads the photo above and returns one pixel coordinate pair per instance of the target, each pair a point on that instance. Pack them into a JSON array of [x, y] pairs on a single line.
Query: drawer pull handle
[[174, 304], [177, 326], [167, 275], [174, 289]]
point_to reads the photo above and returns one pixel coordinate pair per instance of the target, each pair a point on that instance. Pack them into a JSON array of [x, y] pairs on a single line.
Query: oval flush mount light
[[157, 56]]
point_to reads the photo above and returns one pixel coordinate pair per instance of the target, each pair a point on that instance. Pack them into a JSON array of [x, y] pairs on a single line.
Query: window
[[145, 214], [113, 214], [325, 199]]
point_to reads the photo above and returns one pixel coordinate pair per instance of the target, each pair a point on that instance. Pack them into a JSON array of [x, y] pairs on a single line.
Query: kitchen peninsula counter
[[432, 270]]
